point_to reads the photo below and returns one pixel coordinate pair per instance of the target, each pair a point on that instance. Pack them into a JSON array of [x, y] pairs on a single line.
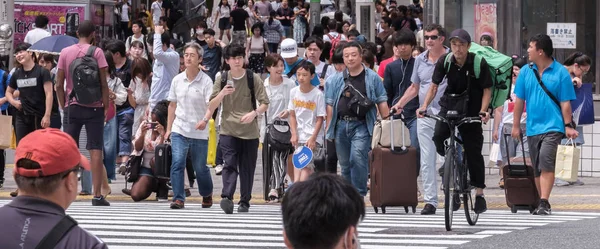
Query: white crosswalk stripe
[[152, 225]]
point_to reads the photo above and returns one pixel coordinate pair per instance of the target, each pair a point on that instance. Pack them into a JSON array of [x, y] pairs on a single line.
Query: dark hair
[[165, 39], [353, 44], [403, 37], [272, 60], [316, 40], [210, 32], [141, 25], [487, 38], [260, 26], [332, 25], [49, 58], [346, 22], [338, 54], [371, 46], [368, 57], [431, 27], [240, 4], [44, 185], [161, 110], [338, 16], [543, 42], [141, 66], [86, 29], [519, 62], [226, 4], [353, 32], [137, 43], [142, 14], [308, 66], [325, 22], [23, 46], [317, 212], [318, 31], [420, 49], [403, 9], [41, 21], [203, 24], [272, 16], [339, 28], [164, 19], [578, 57], [116, 46], [112, 69], [387, 20], [233, 51]]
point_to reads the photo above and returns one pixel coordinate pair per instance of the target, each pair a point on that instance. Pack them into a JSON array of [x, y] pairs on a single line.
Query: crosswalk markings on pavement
[[152, 225]]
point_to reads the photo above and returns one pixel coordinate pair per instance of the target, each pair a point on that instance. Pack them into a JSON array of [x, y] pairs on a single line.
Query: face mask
[[199, 31]]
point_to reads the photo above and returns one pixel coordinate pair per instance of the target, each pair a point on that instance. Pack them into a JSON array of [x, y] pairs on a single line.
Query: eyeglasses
[[432, 37], [584, 71], [77, 169]]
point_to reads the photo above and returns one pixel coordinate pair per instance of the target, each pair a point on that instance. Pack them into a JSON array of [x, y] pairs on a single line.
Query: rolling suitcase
[[162, 161], [519, 183], [393, 176], [211, 157]]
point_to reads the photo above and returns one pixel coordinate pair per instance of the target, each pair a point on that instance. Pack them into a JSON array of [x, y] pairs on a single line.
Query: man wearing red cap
[[47, 165]]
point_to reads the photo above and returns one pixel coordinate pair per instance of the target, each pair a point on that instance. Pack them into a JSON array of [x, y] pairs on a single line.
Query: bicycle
[[456, 175]]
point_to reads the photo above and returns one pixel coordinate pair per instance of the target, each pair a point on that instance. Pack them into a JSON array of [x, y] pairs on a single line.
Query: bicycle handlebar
[[465, 120]]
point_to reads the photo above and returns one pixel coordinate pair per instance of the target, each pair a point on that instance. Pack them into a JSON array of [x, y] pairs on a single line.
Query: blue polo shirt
[[543, 115]]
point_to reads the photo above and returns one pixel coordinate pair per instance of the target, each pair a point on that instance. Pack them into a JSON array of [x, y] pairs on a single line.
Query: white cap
[[289, 48]]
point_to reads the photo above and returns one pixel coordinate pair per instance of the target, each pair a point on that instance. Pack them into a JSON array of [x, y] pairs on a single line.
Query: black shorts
[[77, 116], [224, 23], [542, 150]]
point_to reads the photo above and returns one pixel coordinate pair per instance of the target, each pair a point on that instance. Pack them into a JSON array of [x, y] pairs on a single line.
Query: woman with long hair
[[278, 89], [139, 89], [301, 22], [117, 95], [257, 49], [223, 15], [48, 62], [273, 32]]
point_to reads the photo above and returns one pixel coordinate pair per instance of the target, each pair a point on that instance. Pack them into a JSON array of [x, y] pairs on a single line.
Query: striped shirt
[[192, 100]]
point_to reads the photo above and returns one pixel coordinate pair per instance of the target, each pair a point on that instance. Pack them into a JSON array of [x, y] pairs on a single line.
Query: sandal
[[501, 183], [84, 193]]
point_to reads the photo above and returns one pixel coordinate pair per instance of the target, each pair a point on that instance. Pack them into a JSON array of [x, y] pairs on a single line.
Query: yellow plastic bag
[[211, 156]]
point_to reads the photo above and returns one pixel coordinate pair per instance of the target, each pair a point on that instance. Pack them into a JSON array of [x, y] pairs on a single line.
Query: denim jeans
[[125, 121], [86, 181], [352, 144], [287, 30], [198, 148], [426, 127], [110, 147]]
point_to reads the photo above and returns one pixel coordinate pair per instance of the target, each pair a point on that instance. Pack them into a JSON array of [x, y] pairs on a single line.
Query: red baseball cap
[[55, 151]]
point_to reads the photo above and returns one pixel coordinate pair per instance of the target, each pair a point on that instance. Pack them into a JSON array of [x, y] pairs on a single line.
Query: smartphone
[[230, 83], [153, 125]]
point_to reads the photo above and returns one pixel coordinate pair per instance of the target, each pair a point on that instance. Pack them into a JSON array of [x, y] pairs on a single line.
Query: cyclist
[[468, 94]]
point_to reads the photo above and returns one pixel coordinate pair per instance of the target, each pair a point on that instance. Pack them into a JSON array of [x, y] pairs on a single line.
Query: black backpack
[[86, 79], [249, 77]]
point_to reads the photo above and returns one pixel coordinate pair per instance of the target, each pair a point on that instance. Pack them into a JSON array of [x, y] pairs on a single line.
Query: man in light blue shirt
[[548, 113], [166, 66]]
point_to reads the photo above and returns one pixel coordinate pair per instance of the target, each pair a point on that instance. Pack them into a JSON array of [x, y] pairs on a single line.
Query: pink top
[[67, 56]]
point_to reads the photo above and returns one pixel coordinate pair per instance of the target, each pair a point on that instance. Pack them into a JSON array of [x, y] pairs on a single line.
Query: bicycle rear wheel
[[449, 186], [469, 203]]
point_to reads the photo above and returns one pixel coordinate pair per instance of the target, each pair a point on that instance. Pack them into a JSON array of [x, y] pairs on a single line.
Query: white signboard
[[563, 35]]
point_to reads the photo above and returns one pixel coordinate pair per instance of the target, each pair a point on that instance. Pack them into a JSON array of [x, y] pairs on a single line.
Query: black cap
[[461, 34]]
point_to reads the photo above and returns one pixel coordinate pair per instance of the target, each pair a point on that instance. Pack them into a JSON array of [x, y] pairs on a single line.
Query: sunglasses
[[432, 37], [77, 170]]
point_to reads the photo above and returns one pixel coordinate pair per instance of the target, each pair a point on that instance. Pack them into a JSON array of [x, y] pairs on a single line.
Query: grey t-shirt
[[422, 74], [26, 220]]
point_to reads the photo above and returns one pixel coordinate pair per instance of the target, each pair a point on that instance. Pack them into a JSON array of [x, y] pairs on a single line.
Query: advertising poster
[[63, 18], [485, 21]]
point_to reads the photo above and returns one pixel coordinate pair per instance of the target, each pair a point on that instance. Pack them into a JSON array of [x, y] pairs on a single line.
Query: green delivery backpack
[[500, 68]]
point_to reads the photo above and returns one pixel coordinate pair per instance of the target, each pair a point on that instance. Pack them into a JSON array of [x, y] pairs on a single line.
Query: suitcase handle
[[507, 152], [393, 149]]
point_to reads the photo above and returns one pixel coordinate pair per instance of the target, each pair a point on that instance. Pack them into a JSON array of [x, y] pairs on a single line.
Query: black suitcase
[[162, 161]]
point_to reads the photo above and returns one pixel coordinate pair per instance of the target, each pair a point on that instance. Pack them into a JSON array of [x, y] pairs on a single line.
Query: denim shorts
[[144, 171]]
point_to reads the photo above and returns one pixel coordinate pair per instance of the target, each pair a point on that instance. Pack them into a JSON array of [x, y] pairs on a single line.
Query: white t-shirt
[[156, 11], [508, 113], [307, 107], [35, 35], [192, 100], [334, 35], [125, 13], [279, 97], [319, 70]]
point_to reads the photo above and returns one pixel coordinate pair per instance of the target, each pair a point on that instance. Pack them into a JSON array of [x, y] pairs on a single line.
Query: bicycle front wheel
[[469, 203], [449, 186]]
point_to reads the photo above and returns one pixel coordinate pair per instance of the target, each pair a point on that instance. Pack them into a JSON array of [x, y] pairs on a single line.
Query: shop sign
[[563, 35]]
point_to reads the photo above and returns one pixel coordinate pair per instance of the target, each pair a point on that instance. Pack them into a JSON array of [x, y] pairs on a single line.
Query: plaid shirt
[[273, 32]]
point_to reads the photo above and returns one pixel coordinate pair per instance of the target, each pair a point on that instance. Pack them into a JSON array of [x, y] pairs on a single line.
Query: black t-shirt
[[31, 87], [358, 82], [457, 82], [285, 12], [124, 73], [202, 43], [239, 17]]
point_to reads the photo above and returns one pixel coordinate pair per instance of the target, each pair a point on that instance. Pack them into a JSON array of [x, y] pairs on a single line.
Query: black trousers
[[472, 137], [331, 158], [239, 158]]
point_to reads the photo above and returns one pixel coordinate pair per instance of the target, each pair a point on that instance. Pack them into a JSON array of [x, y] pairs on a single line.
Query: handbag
[[382, 136], [567, 161], [278, 135], [5, 137], [319, 157], [493, 159], [583, 105], [132, 168], [359, 104], [554, 99]]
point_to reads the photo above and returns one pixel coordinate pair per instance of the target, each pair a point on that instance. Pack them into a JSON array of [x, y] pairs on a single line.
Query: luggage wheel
[[414, 209], [383, 209], [513, 209], [406, 209], [376, 210]]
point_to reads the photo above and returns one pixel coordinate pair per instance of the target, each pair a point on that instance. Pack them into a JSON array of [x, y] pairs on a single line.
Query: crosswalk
[[152, 225]]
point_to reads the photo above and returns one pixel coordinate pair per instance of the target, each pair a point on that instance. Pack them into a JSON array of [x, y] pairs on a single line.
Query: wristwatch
[[570, 125], [204, 119]]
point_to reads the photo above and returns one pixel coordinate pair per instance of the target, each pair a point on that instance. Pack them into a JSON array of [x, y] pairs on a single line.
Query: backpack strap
[[447, 61], [91, 51], [250, 78], [293, 70], [224, 75], [324, 72], [477, 65], [57, 233]]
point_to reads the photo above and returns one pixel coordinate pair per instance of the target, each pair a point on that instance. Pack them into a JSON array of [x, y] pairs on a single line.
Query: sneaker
[[577, 183], [243, 207], [543, 208], [428, 210], [560, 183], [501, 183], [100, 201], [227, 205], [188, 193], [122, 169], [273, 196], [219, 169], [456, 204], [177, 204], [480, 204], [207, 201], [191, 183]]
